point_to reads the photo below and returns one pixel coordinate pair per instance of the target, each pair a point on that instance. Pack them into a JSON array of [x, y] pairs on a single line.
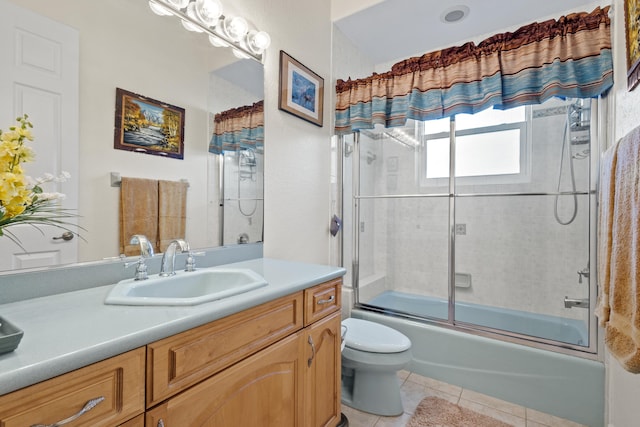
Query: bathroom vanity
[[267, 357]]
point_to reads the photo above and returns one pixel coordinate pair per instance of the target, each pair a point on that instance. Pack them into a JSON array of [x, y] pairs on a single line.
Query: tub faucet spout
[[169, 257]]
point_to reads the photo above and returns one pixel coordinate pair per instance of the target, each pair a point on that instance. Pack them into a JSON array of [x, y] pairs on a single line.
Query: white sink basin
[[185, 288]]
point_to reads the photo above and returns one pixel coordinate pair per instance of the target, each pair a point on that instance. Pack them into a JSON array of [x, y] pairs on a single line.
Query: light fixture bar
[[207, 30]]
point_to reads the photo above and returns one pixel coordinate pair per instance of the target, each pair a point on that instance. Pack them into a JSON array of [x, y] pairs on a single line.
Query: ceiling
[[391, 30]]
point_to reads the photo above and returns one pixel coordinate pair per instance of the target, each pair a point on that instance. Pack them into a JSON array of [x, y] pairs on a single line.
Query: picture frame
[[145, 125], [632, 37], [301, 90]]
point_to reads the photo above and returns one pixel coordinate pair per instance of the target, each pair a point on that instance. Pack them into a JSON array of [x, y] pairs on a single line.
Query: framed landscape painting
[[145, 125], [301, 90]]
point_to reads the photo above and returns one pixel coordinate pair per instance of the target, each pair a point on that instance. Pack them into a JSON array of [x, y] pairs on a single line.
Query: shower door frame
[[598, 134]]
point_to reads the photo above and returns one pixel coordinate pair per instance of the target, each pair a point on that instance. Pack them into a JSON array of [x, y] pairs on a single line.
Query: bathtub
[[570, 331], [565, 386]]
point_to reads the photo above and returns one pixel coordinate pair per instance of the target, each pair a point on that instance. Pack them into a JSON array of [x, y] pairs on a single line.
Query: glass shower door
[[523, 246]]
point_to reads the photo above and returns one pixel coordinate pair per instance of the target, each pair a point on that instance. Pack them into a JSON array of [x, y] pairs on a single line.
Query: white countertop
[[67, 331]]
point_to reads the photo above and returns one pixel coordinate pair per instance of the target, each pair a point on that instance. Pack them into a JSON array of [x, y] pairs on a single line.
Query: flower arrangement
[[22, 200]]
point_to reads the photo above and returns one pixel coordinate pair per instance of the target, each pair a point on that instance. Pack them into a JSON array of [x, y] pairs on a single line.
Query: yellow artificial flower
[[19, 194]]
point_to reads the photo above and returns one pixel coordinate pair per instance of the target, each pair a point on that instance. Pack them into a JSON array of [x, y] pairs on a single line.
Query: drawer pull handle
[[327, 301], [313, 351], [87, 407], [160, 423]]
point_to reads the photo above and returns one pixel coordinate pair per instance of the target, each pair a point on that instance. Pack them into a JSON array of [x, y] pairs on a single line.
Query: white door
[[39, 77]]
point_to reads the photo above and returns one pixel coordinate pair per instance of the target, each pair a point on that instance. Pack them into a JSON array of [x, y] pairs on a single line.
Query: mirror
[[239, 140], [122, 44]]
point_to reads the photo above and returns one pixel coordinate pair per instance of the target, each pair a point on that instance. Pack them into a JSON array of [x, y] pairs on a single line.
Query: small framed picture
[[145, 125], [632, 35], [301, 90]]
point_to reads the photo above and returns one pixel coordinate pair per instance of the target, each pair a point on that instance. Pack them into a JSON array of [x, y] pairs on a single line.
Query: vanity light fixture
[[235, 28], [189, 25], [206, 16], [208, 11]]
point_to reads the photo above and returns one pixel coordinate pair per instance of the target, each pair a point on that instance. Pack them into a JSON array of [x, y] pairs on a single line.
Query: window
[[491, 148]]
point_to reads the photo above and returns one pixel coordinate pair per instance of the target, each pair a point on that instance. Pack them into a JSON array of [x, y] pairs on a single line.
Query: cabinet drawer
[[182, 360], [322, 300], [119, 380]]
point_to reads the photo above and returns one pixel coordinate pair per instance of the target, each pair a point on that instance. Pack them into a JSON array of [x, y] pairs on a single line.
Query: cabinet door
[[263, 390], [322, 376]]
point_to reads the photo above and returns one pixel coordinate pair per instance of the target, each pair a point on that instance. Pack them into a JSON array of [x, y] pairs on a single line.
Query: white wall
[[297, 153], [623, 387]]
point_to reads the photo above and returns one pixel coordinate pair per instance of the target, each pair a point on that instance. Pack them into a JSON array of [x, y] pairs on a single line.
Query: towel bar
[[116, 179]]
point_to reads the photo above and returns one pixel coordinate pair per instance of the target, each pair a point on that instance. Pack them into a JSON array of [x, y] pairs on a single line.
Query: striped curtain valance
[[567, 57], [238, 129]]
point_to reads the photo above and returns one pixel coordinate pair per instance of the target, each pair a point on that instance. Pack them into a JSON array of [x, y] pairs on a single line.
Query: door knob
[[67, 235]]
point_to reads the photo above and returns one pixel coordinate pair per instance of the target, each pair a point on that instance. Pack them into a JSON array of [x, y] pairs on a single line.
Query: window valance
[[238, 129], [567, 57]]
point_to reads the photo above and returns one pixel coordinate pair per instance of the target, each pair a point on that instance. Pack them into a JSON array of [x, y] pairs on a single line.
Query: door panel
[[42, 81]]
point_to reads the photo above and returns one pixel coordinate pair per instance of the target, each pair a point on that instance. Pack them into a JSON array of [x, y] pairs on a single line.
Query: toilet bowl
[[372, 355]]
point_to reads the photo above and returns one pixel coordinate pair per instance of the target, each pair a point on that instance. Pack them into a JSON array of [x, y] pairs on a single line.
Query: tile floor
[[416, 387]]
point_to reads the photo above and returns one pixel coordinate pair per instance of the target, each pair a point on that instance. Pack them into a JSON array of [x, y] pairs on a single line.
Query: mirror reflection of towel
[[138, 213], [172, 212]]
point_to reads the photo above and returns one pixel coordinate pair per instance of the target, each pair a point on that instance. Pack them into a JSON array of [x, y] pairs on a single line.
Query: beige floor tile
[[442, 395], [403, 374], [415, 387], [549, 420], [359, 418], [501, 405], [506, 417], [400, 421], [438, 385], [412, 394]]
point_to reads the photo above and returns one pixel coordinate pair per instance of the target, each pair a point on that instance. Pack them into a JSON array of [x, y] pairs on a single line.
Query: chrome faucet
[[576, 302], [169, 257], [146, 251]]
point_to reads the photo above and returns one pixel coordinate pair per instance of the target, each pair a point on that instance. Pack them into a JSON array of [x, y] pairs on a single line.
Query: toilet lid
[[373, 337]]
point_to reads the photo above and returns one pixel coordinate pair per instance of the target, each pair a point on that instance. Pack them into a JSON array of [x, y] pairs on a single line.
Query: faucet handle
[[141, 269], [190, 264]]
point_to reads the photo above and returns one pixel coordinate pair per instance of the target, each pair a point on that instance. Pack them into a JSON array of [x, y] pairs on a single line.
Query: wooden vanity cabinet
[[119, 380], [294, 381]]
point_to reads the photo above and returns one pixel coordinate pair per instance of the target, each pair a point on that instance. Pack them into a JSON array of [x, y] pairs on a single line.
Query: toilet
[[372, 356]]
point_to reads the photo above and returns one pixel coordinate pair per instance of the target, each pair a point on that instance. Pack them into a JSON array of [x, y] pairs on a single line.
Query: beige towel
[[605, 225], [138, 213], [172, 212], [619, 305]]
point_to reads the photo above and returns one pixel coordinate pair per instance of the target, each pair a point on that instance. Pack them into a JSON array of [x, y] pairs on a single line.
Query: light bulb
[[191, 13], [235, 28], [258, 41], [159, 9], [177, 4], [217, 41], [208, 11]]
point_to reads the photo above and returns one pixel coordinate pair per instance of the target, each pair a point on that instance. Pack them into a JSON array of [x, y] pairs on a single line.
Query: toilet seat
[[371, 337]]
